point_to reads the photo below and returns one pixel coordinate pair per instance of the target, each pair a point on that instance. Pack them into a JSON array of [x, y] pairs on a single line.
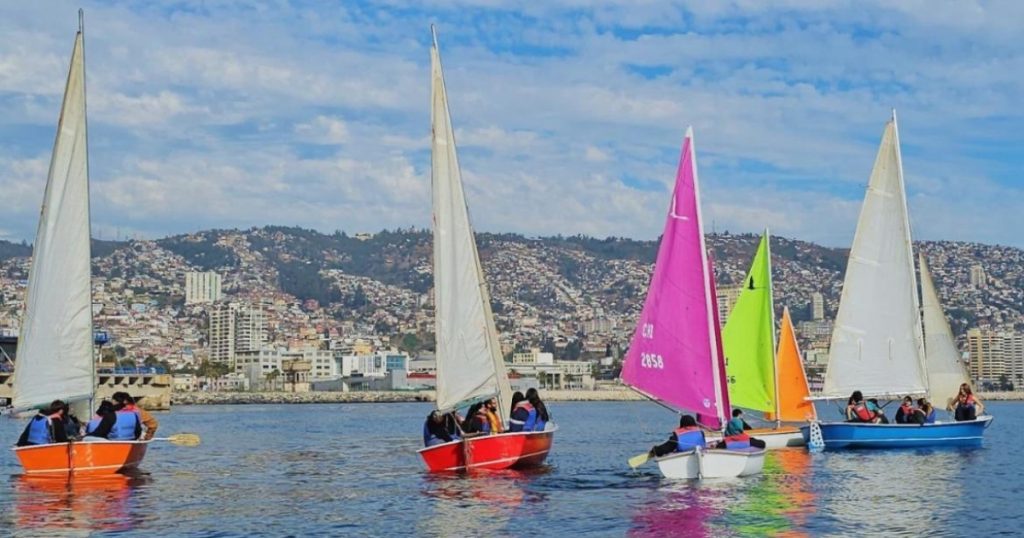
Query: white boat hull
[[711, 463], [781, 438]]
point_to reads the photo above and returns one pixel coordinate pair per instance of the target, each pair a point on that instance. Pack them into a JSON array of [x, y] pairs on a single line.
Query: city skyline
[[568, 118]]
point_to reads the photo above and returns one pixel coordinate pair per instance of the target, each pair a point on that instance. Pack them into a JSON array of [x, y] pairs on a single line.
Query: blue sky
[[569, 114]]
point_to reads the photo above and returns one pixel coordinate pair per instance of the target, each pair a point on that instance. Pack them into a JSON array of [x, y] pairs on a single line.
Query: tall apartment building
[[817, 306], [995, 354], [235, 328], [727, 296], [202, 287], [978, 279]]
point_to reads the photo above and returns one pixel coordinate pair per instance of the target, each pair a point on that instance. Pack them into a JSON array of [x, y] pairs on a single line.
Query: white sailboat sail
[[55, 348], [469, 362], [877, 346], [945, 370]]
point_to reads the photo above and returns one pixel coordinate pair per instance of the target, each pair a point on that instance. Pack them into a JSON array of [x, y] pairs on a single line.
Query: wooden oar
[[181, 439], [639, 459]]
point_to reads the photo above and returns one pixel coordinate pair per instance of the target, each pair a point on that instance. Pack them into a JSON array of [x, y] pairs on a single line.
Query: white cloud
[[323, 130]]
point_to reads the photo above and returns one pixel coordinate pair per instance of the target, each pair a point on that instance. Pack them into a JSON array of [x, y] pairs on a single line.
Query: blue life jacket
[[689, 438], [485, 423], [124, 426], [39, 431], [930, 419], [523, 419], [539, 425], [93, 424]]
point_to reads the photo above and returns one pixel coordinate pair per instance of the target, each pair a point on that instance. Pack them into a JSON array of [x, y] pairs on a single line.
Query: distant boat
[[470, 367], [759, 378], [877, 342], [676, 356], [55, 354]]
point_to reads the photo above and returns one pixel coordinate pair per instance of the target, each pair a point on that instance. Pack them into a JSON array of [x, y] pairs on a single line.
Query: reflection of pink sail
[[673, 355]]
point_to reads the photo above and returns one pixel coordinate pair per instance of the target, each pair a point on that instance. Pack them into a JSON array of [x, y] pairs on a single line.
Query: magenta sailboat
[[675, 356]]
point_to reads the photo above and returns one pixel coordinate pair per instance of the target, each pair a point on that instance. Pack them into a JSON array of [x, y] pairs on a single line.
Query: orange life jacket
[[494, 421], [862, 412]]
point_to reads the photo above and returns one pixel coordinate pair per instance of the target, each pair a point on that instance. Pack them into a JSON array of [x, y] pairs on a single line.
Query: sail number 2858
[[652, 360]]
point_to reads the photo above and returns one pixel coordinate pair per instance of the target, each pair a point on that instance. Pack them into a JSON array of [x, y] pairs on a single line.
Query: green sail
[[748, 338]]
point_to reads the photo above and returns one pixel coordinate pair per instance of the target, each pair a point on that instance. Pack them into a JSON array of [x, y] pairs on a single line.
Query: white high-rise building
[[202, 288], [995, 354], [727, 296], [978, 279], [235, 328], [817, 306]]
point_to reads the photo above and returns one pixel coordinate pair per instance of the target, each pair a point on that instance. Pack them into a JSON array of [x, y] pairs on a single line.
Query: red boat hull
[[86, 458], [491, 452]]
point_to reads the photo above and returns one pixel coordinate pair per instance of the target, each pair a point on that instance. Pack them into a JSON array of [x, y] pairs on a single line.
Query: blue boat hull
[[840, 435]]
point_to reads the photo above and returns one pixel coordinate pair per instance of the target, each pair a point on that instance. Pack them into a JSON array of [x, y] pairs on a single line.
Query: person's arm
[[106, 424], [138, 429], [149, 422], [667, 447], [60, 435], [23, 440], [746, 426], [979, 405]]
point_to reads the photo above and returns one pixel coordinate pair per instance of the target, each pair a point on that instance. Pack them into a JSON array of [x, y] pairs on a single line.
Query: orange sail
[[792, 382]]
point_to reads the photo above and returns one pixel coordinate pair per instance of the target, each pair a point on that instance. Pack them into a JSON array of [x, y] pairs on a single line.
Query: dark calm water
[[352, 470]]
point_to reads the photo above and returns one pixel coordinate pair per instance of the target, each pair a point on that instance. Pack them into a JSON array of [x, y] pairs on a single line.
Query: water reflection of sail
[[921, 487], [682, 509], [63, 507], [482, 505], [794, 484]]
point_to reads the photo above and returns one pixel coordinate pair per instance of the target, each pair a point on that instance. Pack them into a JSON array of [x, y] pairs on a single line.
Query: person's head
[[907, 400], [475, 408], [58, 407], [687, 421], [737, 413], [492, 404], [965, 389], [123, 398], [516, 398], [436, 417], [923, 403], [856, 397], [532, 394], [106, 407]]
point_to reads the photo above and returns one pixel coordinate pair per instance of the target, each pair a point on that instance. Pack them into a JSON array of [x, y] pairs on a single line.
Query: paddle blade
[[639, 460], [181, 439]]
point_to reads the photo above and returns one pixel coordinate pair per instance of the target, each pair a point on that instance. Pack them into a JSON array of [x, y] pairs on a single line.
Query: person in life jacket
[[477, 421], [857, 409], [523, 416], [102, 422], [127, 425], [967, 406], [149, 423], [684, 438], [905, 414], [491, 408], [440, 428], [925, 412], [46, 427], [736, 433], [542, 410]]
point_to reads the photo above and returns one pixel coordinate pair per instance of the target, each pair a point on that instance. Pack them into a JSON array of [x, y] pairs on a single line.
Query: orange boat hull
[[518, 450], [92, 459]]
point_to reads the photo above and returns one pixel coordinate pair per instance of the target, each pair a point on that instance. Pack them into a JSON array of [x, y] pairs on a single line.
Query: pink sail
[[673, 356], [723, 381]]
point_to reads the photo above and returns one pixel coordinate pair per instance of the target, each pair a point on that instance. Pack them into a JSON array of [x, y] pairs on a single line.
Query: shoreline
[[327, 397]]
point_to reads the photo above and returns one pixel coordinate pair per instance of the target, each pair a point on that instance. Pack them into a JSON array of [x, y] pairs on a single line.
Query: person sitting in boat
[[477, 422], [905, 414], [491, 408], [127, 424], [857, 410], [72, 426], [542, 411], [925, 412], [967, 406], [686, 437], [46, 427], [736, 433], [873, 406], [523, 416], [102, 422], [440, 428], [149, 423]]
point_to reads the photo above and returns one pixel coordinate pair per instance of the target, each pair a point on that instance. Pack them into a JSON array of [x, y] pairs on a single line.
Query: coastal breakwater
[[243, 398]]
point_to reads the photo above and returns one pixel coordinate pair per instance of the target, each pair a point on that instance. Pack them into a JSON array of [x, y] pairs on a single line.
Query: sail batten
[[674, 354], [469, 362], [55, 346], [877, 346], [945, 370]]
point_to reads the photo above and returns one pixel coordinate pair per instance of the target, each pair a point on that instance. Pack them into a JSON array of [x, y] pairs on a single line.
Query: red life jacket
[[908, 410], [863, 413]]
